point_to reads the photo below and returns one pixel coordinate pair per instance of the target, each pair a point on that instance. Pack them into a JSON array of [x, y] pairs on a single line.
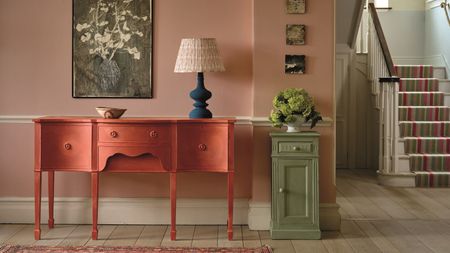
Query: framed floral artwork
[[112, 49], [295, 34], [295, 6]]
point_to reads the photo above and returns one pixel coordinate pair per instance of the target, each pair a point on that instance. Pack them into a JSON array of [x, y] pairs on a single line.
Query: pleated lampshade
[[198, 55]]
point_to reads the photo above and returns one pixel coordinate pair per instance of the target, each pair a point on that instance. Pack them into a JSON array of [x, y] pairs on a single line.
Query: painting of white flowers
[[112, 49]]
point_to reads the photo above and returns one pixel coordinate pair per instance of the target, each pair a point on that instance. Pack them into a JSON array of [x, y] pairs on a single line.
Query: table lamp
[[198, 56]]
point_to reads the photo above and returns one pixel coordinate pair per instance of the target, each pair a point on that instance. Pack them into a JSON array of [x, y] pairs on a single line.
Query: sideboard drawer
[[154, 134], [205, 147], [296, 147], [67, 146]]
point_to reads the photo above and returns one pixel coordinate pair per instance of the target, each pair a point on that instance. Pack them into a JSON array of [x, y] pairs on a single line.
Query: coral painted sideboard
[[131, 145]]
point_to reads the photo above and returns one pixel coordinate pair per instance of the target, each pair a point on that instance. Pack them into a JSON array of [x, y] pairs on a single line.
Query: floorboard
[[374, 219]]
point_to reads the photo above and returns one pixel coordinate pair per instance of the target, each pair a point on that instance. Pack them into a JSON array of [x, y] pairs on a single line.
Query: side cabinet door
[[295, 194]]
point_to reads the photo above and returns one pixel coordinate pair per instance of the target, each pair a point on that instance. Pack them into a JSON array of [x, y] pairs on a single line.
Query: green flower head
[[291, 102]]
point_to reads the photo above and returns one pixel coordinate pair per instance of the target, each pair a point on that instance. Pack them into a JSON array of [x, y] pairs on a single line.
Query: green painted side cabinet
[[295, 186]]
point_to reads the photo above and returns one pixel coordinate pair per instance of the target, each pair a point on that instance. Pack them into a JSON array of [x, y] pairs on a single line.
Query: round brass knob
[[153, 134], [202, 147], [67, 146], [296, 148], [114, 134], [281, 190]]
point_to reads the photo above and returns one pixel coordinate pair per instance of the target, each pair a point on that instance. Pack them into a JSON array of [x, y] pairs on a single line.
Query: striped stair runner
[[424, 125]]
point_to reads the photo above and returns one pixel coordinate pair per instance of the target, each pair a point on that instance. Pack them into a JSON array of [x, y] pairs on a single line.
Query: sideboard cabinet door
[[66, 146], [295, 195]]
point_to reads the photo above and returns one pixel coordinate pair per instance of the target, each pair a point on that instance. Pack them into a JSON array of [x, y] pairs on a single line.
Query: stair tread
[[433, 172], [427, 138], [424, 122], [423, 106], [413, 65], [430, 155], [420, 92]]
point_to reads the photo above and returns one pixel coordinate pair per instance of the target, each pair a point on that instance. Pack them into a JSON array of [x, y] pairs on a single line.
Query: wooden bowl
[[110, 113]]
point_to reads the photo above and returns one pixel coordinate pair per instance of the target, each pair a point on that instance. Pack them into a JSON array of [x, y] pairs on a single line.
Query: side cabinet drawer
[[66, 146], [295, 147], [306, 147], [151, 134], [204, 147]]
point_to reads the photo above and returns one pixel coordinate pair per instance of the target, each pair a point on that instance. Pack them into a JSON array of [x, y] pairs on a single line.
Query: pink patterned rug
[[105, 249]]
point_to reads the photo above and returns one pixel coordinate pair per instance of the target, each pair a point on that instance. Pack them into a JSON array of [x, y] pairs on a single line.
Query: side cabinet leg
[[173, 206], [51, 197], [37, 205], [230, 204], [94, 189]]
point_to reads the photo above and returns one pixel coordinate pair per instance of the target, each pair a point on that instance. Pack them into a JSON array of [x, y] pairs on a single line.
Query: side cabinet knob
[[202, 147], [67, 146], [114, 134], [295, 148], [281, 190], [153, 134]]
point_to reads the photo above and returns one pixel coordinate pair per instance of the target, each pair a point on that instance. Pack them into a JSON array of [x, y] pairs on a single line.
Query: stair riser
[[444, 86], [414, 71], [439, 73], [424, 130], [427, 180], [421, 99], [429, 163], [426, 146], [424, 114]]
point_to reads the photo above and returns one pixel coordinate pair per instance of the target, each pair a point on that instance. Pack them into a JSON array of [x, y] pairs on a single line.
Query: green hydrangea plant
[[292, 102]]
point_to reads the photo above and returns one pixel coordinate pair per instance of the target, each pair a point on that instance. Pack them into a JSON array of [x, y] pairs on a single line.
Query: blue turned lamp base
[[200, 95]]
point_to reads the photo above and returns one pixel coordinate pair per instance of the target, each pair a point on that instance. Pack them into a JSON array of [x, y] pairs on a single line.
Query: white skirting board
[[259, 216], [153, 211], [125, 211]]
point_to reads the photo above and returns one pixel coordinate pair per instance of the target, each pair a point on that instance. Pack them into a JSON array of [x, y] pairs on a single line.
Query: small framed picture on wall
[[295, 34], [294, 64], [296, 6]]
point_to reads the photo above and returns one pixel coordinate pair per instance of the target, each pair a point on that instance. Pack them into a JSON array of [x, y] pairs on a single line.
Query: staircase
[[424, 124]]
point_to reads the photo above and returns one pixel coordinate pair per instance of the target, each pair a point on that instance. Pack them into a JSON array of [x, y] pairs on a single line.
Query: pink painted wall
[[270, 47], [35, 77], [36, 51]]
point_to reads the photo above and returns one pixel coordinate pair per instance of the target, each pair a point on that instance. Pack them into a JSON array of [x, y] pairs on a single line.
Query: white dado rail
[[240, 120]]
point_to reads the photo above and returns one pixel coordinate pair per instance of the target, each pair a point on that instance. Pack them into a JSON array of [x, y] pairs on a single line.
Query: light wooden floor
[[374, 219]]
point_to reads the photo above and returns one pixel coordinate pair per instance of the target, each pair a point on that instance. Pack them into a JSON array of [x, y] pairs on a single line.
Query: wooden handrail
[[382, 40]]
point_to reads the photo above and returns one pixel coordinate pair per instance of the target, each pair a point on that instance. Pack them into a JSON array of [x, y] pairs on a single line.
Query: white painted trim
[[397, 180], [259, 216], [240, 120], [431, 4], [125, 211]]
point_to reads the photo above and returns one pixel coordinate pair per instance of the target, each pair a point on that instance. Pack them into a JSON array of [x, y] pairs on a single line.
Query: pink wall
[[35, 77], [268, 73], [36, 51]]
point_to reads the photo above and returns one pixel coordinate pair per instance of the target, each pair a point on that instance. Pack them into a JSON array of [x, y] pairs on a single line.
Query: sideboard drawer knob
[[67, 146], [114, 134], [295, 148], [153, 134], [281, 190], [202, 147]]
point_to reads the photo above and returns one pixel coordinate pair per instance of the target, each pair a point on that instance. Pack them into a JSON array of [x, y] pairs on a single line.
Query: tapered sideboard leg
[[51, 197], [37, 205], [230, 204], [173, 206], [94, 186]]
